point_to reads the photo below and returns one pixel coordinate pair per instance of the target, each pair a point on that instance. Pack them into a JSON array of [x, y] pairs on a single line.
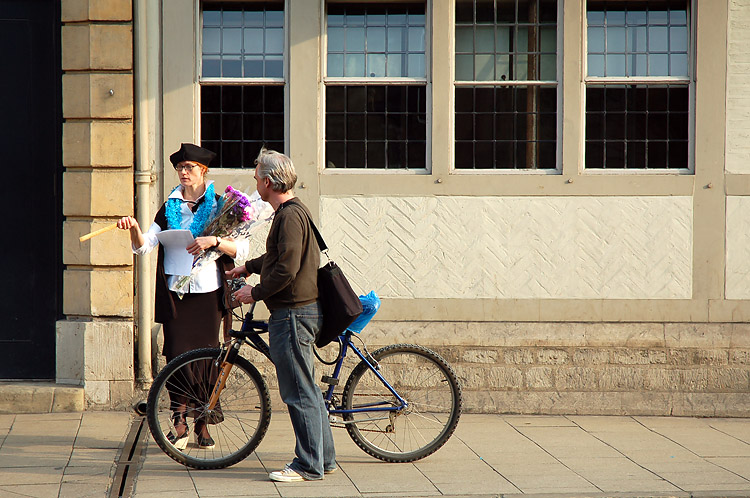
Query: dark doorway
[[31, 131]]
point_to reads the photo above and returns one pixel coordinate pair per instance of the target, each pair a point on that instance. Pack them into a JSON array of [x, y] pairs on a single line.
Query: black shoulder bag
[[339, 303]]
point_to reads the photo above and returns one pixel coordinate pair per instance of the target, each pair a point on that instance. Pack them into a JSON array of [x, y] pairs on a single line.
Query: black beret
[[190, 152]]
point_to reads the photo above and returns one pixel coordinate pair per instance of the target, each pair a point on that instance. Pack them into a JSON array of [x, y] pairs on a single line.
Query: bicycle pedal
[[331, 381]]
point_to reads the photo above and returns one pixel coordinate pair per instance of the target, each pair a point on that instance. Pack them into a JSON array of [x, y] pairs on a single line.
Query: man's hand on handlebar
[[244, 295]]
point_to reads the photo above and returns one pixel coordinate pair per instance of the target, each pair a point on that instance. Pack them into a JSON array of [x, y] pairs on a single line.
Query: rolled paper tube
[[97, 232]]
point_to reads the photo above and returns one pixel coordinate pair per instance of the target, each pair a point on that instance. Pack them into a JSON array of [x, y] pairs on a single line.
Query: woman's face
[[190, 174]]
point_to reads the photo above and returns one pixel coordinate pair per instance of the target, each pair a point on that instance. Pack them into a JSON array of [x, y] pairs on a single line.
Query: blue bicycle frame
[[251, 330]]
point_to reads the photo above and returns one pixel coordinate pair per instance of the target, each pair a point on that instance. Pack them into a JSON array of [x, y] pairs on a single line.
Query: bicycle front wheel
[[236, 425], [428, 385]]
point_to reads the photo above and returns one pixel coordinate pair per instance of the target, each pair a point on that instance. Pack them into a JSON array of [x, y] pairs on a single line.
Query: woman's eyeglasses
[[185, 167]]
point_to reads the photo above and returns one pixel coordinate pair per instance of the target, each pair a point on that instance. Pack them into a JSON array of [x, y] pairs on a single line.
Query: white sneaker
[[286, 475]]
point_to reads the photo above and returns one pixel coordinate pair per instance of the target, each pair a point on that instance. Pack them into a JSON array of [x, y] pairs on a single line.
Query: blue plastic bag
[[370, 306]]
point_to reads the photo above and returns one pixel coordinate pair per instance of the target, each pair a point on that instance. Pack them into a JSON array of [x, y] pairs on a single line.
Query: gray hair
[[278, 168]]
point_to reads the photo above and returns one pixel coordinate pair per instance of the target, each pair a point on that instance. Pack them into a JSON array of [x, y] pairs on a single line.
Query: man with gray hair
[[288, 285]]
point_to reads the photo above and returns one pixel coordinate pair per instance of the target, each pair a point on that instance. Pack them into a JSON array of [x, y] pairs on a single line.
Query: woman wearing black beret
[[190, 320]]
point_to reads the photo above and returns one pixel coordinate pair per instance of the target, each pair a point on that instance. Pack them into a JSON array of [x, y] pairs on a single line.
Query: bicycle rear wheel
[[238, 423], [425, 381]]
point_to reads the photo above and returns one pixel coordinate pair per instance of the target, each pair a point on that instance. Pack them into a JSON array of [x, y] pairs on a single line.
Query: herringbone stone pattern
[[513, 247], [738, 248]]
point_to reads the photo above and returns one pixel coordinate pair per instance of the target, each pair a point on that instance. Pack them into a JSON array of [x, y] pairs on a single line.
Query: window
[[242, 80], [638, 85], [376, 89], [506, 84]]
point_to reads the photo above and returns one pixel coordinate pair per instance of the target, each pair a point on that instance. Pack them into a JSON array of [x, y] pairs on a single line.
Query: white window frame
[[376, 81], [557, 170], [661, 80], [259, 81]]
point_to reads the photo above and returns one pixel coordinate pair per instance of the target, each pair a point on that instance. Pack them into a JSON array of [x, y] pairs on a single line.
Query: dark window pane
[[657, 155], [594, 154], [483, 154], [376, 154], [614, 155], [548, 99], [548, 11], [657, 126], [636, 152], [679, 99], [595, 99], [547, 126], [211, 126], [335, 154], [416, 154], [641, 135], [504, 155], [231, 126], [484, 126], [241, 122], [231, 154], [355, 127], [464, 11], [273, 126], [657, 99], [416, 127], [547, 155], [231, 99], [396, 154], [506, 12], [464, 155], [504, 99], [396, 99], [356, 99], [464, 126], [253, 127], [335, 99], [274, 96], [504, 129], [614, 126], [253, 99], [396, 127], [251, 151], [615, 99], [678, 126], [637, 126], [678, 154], [376, 127], [376, 99], [464, 99], [211, 98], [355, 154]]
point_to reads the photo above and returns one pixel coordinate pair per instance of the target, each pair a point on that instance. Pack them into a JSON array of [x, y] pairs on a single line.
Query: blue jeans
[[292, 338]]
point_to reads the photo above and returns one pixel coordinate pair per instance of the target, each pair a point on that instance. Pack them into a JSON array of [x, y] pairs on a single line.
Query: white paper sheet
[[177, 261]]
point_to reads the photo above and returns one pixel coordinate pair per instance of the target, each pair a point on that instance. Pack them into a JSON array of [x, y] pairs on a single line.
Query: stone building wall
[[95, 340]]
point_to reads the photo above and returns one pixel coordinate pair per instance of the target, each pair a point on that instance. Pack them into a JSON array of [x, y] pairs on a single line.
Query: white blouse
[[208, 279]]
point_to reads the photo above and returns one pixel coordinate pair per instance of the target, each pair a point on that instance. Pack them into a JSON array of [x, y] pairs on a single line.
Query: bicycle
[[401, 403]]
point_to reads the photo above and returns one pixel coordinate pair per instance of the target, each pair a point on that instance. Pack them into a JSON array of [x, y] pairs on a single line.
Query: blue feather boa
[[201, 216]]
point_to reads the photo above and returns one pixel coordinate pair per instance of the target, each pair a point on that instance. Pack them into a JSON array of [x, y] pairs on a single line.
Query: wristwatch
[[218, 242]]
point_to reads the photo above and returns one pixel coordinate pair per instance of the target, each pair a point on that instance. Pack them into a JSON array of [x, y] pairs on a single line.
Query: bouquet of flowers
[[238, 216]]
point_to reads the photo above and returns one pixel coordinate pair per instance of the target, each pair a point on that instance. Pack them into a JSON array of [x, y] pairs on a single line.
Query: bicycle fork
[[226, 366]]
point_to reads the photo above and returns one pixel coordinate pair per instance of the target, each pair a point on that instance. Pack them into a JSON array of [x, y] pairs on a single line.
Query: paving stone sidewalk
[[76, 454]]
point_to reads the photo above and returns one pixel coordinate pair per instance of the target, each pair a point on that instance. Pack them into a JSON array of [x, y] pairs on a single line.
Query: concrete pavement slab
[[31, 490], [738, 465]]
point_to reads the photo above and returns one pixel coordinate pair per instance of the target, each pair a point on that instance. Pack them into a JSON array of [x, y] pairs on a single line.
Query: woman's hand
[[244, 294], [237, 272], [128, 223], [136, 236], [200, 244]]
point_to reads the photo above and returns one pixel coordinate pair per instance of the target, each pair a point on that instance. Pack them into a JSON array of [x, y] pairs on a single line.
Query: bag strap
[[321, 243]]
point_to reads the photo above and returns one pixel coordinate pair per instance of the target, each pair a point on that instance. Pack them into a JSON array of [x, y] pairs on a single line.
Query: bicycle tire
[[239, 424], [429, 386]]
